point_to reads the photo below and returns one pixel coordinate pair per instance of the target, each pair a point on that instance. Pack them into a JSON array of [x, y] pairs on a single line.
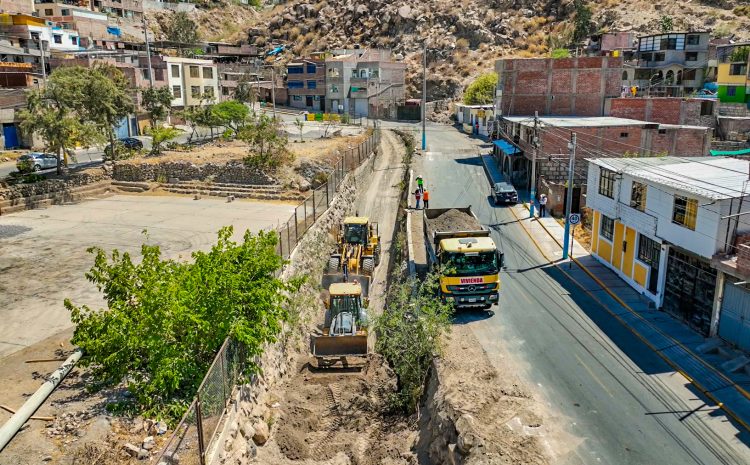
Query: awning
[[716, 153], [506, 147]]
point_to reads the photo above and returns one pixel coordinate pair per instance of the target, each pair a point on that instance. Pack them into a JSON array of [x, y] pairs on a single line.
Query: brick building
[[596, 137], [562, 86], [306, 84], [665, 110]]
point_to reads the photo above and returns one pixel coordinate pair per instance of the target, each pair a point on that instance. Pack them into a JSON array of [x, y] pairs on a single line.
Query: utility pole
[[273, 90], [424, 96], [569, 196], [532, 190], [148, 54], [44, 66]]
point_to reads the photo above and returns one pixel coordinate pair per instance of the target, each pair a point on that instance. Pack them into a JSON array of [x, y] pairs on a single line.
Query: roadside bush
[[482, 90], [165, 319], [410, 332]]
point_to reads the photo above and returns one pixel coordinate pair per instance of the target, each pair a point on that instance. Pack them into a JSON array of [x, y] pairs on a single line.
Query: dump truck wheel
[[333, 263], [368, 265]]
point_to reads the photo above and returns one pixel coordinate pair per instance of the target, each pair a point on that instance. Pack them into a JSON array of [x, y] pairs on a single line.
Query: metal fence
[[305, 214], [192, 439]]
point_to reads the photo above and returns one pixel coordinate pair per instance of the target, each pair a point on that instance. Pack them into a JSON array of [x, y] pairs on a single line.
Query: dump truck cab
[[469, 270]]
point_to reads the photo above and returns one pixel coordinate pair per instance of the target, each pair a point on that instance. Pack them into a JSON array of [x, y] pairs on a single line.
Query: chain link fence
[[193, 437]]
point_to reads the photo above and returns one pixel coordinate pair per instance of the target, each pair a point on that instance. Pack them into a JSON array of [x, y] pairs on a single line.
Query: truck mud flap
[[338, 346]]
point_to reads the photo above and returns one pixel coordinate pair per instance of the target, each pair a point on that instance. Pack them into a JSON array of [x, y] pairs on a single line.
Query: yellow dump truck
[[345, 323], [466, 256]]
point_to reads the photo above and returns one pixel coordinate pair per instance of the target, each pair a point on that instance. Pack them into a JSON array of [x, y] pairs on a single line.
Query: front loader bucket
[[364, 281], [339, 346]]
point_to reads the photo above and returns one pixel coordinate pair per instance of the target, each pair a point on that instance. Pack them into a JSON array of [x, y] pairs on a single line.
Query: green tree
[[560, 53], [160, 135], [58, 113], [232, 114], [267, 142], [183, 30], [157, 102], [410, 332], [300, 124], [482, 90], [166, 319], [666, 24], [244, 92], [583, 26], [106, 100]]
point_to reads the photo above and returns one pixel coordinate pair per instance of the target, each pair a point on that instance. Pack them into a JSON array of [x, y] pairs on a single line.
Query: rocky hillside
[[463, 38]]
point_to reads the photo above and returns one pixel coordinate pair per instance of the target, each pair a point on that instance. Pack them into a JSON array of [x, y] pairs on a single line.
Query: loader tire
[[377, 258], [368, 264], [333, 263]]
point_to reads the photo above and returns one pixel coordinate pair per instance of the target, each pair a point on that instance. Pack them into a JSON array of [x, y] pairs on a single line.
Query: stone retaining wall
[[232, 172], [49, 186]]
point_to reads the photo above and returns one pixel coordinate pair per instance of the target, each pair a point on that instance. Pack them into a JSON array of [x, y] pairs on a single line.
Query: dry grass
[[294, 33], [462, 44]]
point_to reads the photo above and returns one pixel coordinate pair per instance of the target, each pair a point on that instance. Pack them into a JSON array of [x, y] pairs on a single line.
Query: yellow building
[[732, 73]]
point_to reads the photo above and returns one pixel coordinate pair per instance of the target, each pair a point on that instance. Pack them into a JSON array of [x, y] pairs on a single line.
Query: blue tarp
[[506, 147], [115, 31], [276, 50]]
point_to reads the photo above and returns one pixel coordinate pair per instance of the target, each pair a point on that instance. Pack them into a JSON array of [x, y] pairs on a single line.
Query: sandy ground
[[337, 416]]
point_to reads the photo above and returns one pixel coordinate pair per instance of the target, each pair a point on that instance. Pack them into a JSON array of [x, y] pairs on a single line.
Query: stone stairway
[[240, 191], [73, 194]]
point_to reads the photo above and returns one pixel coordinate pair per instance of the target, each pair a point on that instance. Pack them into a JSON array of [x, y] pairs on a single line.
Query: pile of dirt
[[453, 220], [339, 416]]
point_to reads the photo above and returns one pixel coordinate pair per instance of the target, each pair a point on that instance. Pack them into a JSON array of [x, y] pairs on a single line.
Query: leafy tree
[[666, 23], [156, 101], [739, 55], [166, 319], [410, 332], [583, 26], [267, 142], [160, 135], [244, 92], [58, 113], [300, 124], [182, 29], [106, 99], [482, 90], [231, 114]]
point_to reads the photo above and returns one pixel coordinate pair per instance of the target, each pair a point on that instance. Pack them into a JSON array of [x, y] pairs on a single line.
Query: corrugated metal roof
[[714, 178], [577, 121]]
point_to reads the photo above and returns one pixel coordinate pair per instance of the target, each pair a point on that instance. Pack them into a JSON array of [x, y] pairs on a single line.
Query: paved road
[[620, 401]]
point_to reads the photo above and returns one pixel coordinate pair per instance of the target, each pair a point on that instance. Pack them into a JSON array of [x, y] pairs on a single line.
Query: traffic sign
[[574, 218]]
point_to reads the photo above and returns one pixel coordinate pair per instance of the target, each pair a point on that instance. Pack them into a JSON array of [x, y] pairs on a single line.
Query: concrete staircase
[[73, 194], [240, 191]]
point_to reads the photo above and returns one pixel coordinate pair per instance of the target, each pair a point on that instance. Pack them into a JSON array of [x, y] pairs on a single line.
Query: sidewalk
[[677, 344]]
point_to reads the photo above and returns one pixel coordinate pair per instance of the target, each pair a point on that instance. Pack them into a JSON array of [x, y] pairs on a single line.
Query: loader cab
[[346, 298], [356, 230]]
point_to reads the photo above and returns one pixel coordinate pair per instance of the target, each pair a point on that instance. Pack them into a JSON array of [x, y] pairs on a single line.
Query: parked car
[[36, 161], [128, 143], [503, 192]]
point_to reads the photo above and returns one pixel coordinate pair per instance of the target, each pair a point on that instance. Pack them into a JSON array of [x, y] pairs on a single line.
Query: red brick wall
[[665, 110]]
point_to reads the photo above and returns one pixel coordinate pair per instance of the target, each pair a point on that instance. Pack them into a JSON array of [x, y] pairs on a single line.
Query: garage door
[[689, 289], [734, 323], [360, 107]]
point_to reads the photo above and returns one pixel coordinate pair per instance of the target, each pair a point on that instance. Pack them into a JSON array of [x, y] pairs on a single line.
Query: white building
[[663, 223], [193, 82]]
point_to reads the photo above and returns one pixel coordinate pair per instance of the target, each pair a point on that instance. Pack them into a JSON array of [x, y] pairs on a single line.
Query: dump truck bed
[[446, 223]]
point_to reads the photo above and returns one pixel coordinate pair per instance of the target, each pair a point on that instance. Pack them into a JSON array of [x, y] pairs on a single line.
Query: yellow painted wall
[[605, 250], [627, 261], [724, 78], [595, 232], [639, 274], [617, 245]]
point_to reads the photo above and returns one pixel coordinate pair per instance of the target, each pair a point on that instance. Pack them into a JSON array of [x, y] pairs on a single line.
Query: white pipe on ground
[[23, 414]]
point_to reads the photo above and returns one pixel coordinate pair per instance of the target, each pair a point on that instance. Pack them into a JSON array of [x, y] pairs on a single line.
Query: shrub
[[560, 53], [482, 90], [462, 44]]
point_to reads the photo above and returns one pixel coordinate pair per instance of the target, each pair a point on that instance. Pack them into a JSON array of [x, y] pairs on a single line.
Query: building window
[[685, 211], [176, 91], [689, 75], [659, 56], [311, 68], [648, 251], [208, 91], [608, 227], [65, 12], [334, 88], [312, 84], [738, 69], [176, 71], [74, 40], [195, 91], [195, 72], [638, 196], [295, 85], [208, 73], [295, 70], [225, 91], [691, 56], [607, 183], [296, 97], [662, 131], [623, 135], [693, 39], [48, 12], [57, 38], [731, 91]]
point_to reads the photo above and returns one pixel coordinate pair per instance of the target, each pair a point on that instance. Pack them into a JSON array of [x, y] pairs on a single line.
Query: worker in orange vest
[[426, 199]]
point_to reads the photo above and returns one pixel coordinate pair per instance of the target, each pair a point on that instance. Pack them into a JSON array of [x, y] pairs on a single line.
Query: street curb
[[666, 359]]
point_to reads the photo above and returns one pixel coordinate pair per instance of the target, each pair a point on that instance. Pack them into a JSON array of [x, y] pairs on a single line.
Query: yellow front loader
[[357, 249]]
